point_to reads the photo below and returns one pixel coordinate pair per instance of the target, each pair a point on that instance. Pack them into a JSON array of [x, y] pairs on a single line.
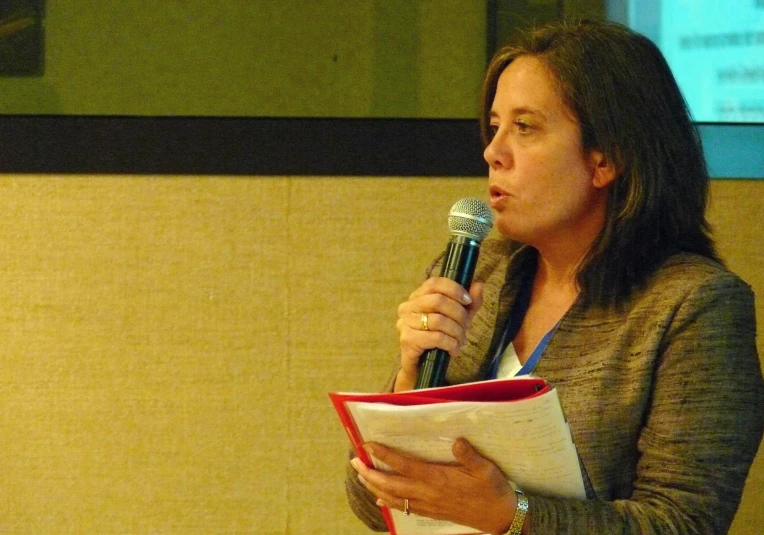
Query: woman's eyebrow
[[523, 110]]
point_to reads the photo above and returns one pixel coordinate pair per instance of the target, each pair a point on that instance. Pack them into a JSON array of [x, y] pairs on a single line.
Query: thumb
[[468, 456], [476, 293]]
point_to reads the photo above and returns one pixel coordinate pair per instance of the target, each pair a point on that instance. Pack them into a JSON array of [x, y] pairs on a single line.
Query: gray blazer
[[664, 397]]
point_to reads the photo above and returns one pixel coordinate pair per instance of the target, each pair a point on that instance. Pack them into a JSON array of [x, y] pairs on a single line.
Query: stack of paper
[[517, 423]]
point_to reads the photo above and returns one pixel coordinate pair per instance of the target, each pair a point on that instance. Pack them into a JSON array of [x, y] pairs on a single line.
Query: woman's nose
[[496, 155]]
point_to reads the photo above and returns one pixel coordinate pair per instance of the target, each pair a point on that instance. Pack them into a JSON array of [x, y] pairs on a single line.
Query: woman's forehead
[[528, 83]]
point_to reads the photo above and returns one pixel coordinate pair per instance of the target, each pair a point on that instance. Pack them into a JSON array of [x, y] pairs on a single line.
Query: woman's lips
[[498, 196]]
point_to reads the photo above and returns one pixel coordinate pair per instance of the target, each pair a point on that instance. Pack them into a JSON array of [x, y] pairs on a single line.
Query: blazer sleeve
[[701, 432]]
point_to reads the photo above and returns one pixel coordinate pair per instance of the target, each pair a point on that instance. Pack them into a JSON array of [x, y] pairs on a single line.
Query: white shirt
[[509, 364]]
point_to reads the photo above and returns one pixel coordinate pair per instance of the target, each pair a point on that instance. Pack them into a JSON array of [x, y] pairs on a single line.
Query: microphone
[[469, 221]]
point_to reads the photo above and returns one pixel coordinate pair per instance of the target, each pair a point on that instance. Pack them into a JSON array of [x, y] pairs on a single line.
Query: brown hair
[[620, 88]]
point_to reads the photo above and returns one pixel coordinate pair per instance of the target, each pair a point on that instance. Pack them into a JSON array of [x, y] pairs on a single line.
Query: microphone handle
[[458, 265]]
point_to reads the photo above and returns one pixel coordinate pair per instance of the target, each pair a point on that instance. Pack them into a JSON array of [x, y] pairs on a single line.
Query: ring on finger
[[425, 322], [406, 508]]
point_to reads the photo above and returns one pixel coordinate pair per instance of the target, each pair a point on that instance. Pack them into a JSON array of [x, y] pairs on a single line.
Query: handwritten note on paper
[[528, 439]]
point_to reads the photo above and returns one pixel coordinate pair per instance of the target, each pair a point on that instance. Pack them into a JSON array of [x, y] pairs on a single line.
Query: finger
[[411, 311], [476, 292], [405, 465], [436, 323], [395, 496], [468, 456], [413, 343], [402, 504], [372, 479], [386, 487], [441, 332], [445, 287], [386, 498]]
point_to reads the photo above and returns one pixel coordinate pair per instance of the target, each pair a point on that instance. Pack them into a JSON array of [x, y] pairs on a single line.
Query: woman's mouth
[[498, 196]]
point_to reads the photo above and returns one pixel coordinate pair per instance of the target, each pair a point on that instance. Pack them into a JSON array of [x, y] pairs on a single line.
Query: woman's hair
[[621, 90]]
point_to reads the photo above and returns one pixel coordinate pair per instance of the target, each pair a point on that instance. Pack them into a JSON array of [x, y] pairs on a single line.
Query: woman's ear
[[603, 169]]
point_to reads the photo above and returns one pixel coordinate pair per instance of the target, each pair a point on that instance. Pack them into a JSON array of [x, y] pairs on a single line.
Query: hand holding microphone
[[433, 322]]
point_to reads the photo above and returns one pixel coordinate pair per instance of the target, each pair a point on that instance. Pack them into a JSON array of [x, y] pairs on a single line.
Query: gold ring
[[425, 325], [406, 510]]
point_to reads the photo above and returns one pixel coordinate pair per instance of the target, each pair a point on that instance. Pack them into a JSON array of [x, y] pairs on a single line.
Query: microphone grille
[[471, 218]]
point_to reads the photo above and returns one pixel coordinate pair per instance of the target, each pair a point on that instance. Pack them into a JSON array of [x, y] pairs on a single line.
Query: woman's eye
[[523, 127]]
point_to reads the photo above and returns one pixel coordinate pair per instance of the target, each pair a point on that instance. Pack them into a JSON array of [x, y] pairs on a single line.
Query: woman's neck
[[560, 257], [559, 269], [562, 251]]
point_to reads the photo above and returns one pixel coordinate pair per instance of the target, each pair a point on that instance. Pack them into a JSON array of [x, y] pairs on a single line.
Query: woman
[[607, 283]]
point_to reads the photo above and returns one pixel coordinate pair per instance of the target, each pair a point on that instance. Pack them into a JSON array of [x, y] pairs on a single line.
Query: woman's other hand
[[446, 310], [472, 492]]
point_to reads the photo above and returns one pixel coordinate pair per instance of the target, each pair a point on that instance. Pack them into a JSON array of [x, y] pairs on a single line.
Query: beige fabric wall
[[168, 343]]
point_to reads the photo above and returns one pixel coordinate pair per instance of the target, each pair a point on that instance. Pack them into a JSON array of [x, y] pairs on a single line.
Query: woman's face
[[544, 189]]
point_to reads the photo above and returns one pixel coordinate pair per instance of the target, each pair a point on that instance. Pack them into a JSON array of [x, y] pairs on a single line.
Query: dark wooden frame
[[63, 144]]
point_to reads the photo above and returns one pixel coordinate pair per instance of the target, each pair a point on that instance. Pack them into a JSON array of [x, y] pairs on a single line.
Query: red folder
[[500, 390]]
